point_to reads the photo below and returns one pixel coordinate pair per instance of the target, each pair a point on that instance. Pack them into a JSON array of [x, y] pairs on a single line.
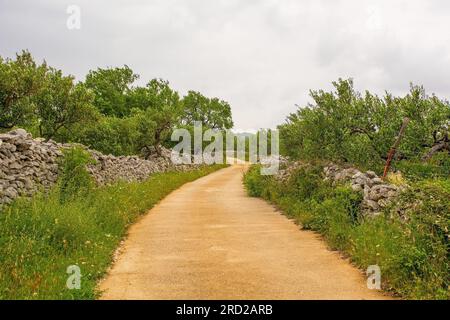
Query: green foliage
[[20, 80], [153, 112], [427, 204], [110, 135], [111, 88], [75, 180], [212, 113], [305, 182], [40, 98], [106, 112], [41, 237], [346, 126], [437, 166], [253, 181], [411, 248], [163, 109], [414, 254], [61, 104]]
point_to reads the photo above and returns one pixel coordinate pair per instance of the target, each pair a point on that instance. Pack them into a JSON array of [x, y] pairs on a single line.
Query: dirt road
[[209, 240]]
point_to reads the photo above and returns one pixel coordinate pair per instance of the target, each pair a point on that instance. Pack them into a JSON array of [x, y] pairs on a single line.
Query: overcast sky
[[263, 56]]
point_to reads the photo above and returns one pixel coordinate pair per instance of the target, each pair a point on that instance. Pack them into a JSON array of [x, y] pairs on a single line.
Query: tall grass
[[40, 238], [413, 252]]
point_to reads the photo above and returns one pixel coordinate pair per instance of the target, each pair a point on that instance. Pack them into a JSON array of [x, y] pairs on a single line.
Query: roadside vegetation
[[107, 111], [412, 252], [410, 239], [75, 223], [346, 126]]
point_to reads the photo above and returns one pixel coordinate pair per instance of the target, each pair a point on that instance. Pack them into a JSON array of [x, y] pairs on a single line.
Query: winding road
[[209, 240]]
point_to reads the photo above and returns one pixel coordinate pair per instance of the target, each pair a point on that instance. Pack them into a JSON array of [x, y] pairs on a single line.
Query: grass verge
[[40, 238]]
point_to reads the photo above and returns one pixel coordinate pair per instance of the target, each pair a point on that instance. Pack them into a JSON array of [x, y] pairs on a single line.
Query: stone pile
[[377, 193], [287, 168]]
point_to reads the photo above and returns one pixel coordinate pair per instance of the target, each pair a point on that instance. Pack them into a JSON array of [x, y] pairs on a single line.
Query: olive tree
[[62, 104], [20, 80], [345, 125], [111, 87], [211, 112]]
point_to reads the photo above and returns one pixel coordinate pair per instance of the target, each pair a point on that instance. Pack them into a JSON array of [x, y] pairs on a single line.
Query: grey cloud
[[263, 56]]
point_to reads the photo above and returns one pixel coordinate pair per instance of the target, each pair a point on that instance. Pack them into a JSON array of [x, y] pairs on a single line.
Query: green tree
[[62, 104], [347, 126], [145, 130], [105, 112], [162, 108], [166, 109], [20, 80], [111, 88], [213, 113], [110, 135]]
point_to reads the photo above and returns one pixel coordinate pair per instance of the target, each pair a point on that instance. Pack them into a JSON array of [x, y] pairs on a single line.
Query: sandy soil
[[209, 240]]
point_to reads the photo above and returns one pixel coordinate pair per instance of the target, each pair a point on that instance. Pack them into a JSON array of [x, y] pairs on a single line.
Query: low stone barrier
[[28, 165], [377, 194]]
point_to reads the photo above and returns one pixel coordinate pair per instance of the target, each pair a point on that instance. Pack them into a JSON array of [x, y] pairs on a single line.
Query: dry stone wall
[[377, 194], [28, 165]]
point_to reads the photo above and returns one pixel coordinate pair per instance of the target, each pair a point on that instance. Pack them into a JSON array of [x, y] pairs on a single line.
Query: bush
[[307, 183], [437, 167], [75, 180], [253, 181], [116, 136]]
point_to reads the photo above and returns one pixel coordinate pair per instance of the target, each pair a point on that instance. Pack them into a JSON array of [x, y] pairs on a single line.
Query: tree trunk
[[444, 145], [158, 142]]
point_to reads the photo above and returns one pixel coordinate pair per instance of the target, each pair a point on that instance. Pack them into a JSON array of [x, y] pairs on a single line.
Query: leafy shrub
[[253, 181], [110, 135], [427, 205], [75, 180], [305, 183], [438, 166]]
